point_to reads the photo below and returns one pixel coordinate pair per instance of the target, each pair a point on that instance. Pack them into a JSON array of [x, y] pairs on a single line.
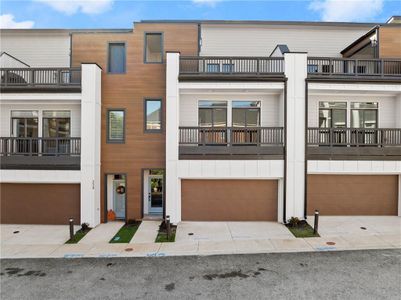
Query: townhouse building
[[201, 121]]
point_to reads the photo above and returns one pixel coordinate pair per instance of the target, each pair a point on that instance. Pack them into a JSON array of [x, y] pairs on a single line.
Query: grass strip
[[126, 233], [78, 236], [162, 237], [302, 231]]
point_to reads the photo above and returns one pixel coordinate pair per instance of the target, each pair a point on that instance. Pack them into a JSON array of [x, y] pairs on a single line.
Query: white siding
[[260, 40], [37, 49], [387, 108], [270, 108], [5, 115], [6, 61]]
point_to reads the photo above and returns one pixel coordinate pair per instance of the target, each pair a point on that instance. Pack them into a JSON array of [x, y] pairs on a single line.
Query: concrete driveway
[[229, 231], [358, 225]]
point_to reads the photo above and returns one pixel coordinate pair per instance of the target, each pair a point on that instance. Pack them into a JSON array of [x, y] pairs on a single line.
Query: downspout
[[199, 38], [285, 155], [306, 149]]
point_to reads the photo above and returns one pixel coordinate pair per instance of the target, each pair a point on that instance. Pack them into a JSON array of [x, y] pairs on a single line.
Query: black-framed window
[[213, 68], [246, 113], [117, 58], [24, 124], [332, 114], [56, 124], [212, 113], [153, 47], [115, 126], [364, 114], [153, 115]]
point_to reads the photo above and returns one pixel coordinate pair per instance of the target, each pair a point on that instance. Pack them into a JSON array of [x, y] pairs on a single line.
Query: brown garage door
[[229, 200], [39, 203], [353, 194]]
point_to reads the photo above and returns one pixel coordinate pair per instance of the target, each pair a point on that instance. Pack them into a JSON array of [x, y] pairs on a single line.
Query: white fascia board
[[40, 176], [356, 167], [226, 87], [319, 88], [40, 97]]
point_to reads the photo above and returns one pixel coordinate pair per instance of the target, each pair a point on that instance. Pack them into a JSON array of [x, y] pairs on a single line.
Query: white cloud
[[347, 10], [70, 7], [211, 3], [7, 21]]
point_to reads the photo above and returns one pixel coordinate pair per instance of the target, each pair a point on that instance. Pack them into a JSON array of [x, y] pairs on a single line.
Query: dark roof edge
[[370, 32]]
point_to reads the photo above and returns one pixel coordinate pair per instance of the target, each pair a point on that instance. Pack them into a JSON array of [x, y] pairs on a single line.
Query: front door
[[119, 198], [155, 194]]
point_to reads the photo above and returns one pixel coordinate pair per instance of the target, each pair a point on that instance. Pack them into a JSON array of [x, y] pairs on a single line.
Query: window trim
[[145, 44], [110, 141], [108, 57], [145, 130]]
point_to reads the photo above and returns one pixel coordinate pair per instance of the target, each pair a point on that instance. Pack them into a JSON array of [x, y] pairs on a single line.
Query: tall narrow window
[[116, 64], [153, 115], [115, 126], [154, 47], [332, 114]]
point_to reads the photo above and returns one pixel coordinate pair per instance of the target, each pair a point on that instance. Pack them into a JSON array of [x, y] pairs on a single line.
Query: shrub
[[294, 222]]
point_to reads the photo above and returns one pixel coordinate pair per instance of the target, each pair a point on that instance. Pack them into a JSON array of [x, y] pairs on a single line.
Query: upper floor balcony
[[40, 79], [354, 143], [354, 69], [230, 68], [40, 153]]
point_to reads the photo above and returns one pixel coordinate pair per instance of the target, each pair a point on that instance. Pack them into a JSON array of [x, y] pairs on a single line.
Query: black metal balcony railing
[[354, 137], [46, 153], [325, 66], [40, 77], [354, 143], [221, 142], [214, 65]]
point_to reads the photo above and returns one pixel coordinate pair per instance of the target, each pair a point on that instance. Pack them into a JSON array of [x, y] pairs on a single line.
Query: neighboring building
[[201, 120]]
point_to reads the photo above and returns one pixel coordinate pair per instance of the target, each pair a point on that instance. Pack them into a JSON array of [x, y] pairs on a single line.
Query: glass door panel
[[155, 194]]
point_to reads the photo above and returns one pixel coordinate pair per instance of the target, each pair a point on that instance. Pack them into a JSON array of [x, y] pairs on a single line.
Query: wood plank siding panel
[[390, 42], [141, 150]]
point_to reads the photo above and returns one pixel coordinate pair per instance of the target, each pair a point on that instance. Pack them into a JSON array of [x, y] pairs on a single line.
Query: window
[[364, 114], [228, 68], [313, 68], [115, 126], [212, 113], [56, 124], [332, 114], [116, 63], [213, 68], [24, 123], [153, 115], [153, 47], [246, 113]]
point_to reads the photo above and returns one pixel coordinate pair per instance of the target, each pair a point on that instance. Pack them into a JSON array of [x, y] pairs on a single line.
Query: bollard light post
[[168, 227], [71, 222], [316, 224]]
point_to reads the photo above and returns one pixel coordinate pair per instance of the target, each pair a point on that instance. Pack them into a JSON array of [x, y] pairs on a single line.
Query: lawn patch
[[125, 234], [302, 229], [79, 234], [162, 234]]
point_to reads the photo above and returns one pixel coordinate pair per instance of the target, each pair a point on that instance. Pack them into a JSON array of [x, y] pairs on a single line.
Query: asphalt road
[[374, 274]]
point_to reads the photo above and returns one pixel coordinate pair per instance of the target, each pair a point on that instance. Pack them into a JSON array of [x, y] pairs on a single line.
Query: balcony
[[354, 69], [231, 68], [354, 144], [40, 153], [231, 143], [40, 79]]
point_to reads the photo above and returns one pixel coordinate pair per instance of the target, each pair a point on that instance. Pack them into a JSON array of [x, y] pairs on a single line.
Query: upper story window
[[246, 113], [115, 126], [153, 115], [56, 124], [24, 123], [364, 114], [153, 47], [332, 114], [212, 113], [116, 60]]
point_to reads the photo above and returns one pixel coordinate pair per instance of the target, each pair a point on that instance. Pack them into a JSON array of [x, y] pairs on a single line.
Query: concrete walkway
[[102, 233], [146, 233]]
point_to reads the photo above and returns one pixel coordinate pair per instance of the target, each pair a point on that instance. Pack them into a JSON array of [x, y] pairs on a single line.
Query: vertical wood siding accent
[[247, 40], [390, 42], [141, 150]]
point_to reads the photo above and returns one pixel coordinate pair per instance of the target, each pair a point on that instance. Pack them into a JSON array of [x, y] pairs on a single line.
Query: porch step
[[152, 218], [146, 233]]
